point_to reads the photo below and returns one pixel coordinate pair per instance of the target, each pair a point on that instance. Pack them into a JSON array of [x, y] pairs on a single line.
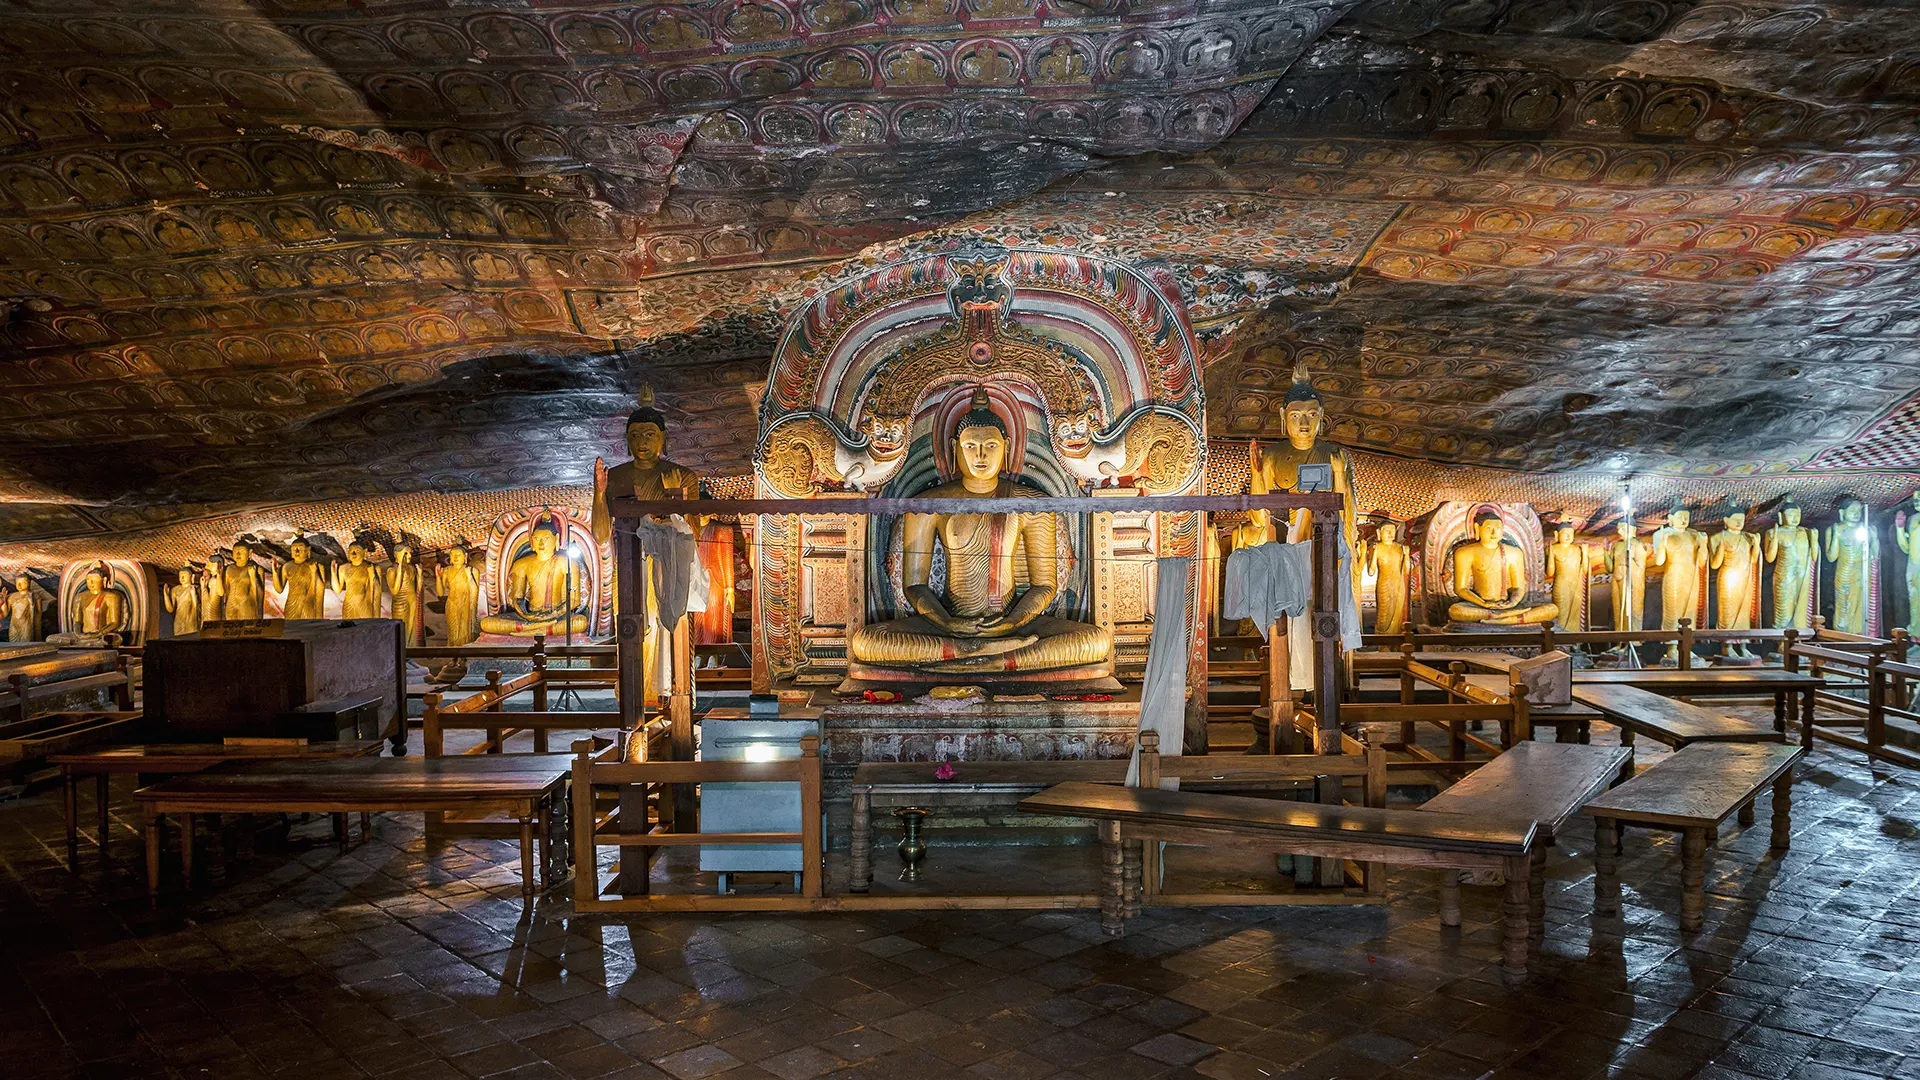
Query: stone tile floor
[[420, 963]]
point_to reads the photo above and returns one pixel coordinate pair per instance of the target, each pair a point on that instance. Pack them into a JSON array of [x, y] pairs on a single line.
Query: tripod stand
[[569, 699]]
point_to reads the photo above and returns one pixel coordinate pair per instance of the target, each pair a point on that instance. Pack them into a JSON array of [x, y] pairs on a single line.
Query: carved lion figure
[[1157, 450], [806, 453]]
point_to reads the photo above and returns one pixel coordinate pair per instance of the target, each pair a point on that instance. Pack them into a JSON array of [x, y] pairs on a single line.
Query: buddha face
[[646, 442], [356, 554], [1389, 532], [545, 543], [1303, 423], [21, 584], [186, 576], [94, 581], [1851, 511], [457, 558], [241, 555], [1563, 534], [1790, 517], [403, 555], [1736, 521], [302, 551], [980, 451], [1488, 531], [1679, 520]]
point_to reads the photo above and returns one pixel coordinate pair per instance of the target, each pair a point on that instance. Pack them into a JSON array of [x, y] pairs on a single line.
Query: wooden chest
[[198, 687]]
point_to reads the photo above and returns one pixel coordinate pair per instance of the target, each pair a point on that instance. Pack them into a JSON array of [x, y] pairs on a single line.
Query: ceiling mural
[[313, 250]]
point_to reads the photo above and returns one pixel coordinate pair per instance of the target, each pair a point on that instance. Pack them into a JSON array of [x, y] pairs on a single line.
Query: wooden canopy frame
[[630, 585]]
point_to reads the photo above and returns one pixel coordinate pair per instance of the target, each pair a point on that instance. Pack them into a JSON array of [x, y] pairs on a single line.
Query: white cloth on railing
[[1267, 582], [678, 583], [1163, 693]]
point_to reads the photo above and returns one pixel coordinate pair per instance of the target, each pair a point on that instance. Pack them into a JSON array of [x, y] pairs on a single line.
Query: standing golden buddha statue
[[405, 583], [982, 624], [303, 581], [241, 587], [1567, 566], [1906, 533], [1682, 551], [1849, 548], [1734, 556], [1277, 466], [648, 476], [23, 611], [1626, 562], [459, 586], [1792, 548], [358, 583], [182, 601], [1387, 562]]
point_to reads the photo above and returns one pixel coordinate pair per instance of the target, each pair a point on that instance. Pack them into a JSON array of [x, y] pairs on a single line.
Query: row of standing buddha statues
[[1489, 584]]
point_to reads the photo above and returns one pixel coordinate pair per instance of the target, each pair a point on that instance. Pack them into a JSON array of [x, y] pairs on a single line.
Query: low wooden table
[[1781, 684], [1573, 714], [1663, 719], [1691, 793], [1545, 782], [171, 759], [530, 787]]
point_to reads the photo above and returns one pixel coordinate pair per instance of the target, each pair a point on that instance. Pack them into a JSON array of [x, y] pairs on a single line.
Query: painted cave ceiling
[[286, 250]]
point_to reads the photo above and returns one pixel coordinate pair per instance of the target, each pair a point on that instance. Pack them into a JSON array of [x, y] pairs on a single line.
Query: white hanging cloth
[[1163, 693]]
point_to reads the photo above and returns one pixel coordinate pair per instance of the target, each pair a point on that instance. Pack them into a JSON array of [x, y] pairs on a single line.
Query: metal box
[[737, 735]]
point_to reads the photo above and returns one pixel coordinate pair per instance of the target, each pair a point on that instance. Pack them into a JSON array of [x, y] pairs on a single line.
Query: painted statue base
[[1087, 678], [853, 733]]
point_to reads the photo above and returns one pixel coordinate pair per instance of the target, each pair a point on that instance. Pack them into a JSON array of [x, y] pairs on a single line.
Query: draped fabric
[[1163, 693], [714, 626]]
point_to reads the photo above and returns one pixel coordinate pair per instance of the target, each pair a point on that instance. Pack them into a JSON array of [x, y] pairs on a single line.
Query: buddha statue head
[[1790, 513], [23, 584], [456, 557], [646, 432], [1735, 519], [402, 555], [1488, 529], [980, 446], [1679, 517], [356, 554], [1624, 529], [1304, 413], [1852, 510], [545, 538], [1388, 532], [242, 554], [96, 578], [186, 576], [300, 549], [1563, 532]]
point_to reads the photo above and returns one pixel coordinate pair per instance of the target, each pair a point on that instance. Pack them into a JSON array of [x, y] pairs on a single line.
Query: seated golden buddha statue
[[1490, 580], [543, 589], [981, 627]]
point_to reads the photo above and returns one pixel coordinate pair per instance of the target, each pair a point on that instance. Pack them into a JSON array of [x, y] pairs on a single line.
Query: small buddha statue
[[241, 588], [304, 583], [182, 601], [543, 589], [406, 584], [1387, 562], [1734, 557], [459, 586], [1490, 579], [1276, 468], [359, 584], [1626, 562], [1849, 548], [981, 625], [1906, 533], [1567, 566], [98, 610], [23, 611], [1790, 548], [1682, 551]]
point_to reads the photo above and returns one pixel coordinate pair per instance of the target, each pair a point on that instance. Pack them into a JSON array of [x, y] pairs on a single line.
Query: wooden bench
[[1777, 683], [172, 759], [1574, 716], [1678, 724], [1545, 782], [1406, 837], [1691, 793], [981, 784], [530, 787]]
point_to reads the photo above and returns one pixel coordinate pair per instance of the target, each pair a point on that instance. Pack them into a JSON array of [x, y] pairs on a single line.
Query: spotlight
[[1860, 534], [573, 551]]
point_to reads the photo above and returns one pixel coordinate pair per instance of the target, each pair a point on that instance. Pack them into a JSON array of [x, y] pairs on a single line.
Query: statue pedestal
[[853, 733]]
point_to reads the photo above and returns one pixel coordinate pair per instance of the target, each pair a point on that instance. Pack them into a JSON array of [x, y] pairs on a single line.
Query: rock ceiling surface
[[293, 250]]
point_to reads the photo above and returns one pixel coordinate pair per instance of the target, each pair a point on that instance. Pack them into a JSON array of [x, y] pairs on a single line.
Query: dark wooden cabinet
[[201, 688]]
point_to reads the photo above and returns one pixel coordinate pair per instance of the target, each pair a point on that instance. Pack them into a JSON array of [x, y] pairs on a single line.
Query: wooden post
[[1142, 857], [1409, 731], [1876, 732], [1374, 794], [1520, 726], [1327, 587], [495, 741], [1898, 687], [431, 736], [539, 689], [680, 717], [1456, 729], [1686, 644], [630, 614], [812, 857], [1280, 677], [586, 862], [397, 741]]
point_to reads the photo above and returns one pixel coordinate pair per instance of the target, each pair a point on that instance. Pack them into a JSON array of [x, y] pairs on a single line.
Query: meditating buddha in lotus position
[[1490, 579], [543, 588], [981, 625]]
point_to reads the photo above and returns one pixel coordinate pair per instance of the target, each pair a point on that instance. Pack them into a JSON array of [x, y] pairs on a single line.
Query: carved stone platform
[[855, 732]]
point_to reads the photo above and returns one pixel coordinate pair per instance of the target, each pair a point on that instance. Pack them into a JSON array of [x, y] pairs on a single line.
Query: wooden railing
[[593, 829], [1546, 639], [1466, 705], [485, 711], [1883, 669]]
